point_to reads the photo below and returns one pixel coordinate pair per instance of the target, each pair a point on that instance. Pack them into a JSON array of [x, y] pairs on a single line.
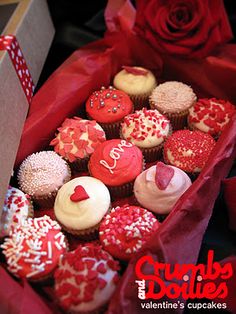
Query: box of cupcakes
[[24, 44], [123, 163]]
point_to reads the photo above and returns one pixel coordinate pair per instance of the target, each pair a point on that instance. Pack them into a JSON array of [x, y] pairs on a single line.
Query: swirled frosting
[[83, 214], [172, 97], [160, 201], [116, 162], [135, 80]]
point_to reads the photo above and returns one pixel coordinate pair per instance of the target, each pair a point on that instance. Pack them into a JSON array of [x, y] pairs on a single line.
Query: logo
[[186, 281]]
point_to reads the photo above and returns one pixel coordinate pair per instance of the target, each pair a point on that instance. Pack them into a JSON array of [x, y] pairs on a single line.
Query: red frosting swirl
[[116, 162], [108, 105]]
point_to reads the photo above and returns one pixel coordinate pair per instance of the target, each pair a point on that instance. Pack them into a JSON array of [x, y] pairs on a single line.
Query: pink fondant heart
[[79, 194], [163, 175]]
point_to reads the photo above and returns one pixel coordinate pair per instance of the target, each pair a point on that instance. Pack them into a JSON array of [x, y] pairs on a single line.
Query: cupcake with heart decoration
[[80, 206]]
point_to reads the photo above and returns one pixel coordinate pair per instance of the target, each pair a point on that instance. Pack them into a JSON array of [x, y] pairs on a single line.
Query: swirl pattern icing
[[116, 162], [160, 201]]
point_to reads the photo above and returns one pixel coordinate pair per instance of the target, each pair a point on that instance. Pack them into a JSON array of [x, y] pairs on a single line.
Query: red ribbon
[[10, 44]]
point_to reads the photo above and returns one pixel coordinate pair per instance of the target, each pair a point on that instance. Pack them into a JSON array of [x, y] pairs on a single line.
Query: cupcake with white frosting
[[147, 129], [81, 204]]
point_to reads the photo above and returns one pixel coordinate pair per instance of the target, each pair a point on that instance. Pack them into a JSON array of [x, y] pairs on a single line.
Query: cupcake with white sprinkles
[[41, 175], [33, 249]]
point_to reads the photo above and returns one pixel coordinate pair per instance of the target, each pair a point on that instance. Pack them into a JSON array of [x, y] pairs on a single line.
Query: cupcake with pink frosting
[[159, 187], [173, 99]]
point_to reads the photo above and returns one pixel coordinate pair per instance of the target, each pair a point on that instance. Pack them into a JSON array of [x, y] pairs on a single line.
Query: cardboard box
[[30, 22]]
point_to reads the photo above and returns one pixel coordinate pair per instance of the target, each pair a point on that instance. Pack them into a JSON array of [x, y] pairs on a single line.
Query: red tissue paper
[[212, 73]]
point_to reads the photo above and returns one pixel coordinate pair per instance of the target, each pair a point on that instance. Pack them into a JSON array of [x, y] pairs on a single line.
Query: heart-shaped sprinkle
[[163, 175], [101, 268], [135, 71], [79, 194]]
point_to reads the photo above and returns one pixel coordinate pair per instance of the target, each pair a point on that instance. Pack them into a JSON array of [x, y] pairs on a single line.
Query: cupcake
[[148, 130], [117, 163], [210, 116], [81, 204], [76, 140], [17, 207], [86, 280], [159, 187], [188, 150], [41, 175], [125, 230], [173, 99], [137, 82], [34, 248], [108, 107]]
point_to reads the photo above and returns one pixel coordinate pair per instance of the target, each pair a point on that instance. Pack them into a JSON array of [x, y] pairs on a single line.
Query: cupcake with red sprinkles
[[76, 140], [109, 106], [86, 279], [188, 150], [210, 116], [126, 229], [17, 207], [147, 129], [34, 248]]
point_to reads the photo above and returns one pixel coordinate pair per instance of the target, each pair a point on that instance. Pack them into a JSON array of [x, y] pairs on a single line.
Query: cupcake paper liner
[[140, 101], [80, 165]]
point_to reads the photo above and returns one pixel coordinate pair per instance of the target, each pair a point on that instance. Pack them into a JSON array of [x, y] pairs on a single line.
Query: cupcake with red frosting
[[108, 107], [125, 230], [188, 150], [137, 82], [210, 116], [41, 175], [76, 140], [117, 163], [86, 280], [147, 129], [17, 207], [34, 248], [159, 187], [81, 204], [173, 99]]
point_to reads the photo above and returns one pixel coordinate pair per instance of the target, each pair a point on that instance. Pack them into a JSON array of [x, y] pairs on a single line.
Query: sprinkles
[[126, 229], [86, 278], [34, 248], [188, 150]]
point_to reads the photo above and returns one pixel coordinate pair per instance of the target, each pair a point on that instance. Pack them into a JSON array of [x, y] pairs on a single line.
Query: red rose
[[184, 27]]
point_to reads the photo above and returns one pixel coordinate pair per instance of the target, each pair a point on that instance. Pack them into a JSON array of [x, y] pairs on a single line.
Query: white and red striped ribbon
[[10, 44]]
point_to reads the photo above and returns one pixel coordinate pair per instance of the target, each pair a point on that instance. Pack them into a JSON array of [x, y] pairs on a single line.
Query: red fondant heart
[[163, 175], [79, 194]]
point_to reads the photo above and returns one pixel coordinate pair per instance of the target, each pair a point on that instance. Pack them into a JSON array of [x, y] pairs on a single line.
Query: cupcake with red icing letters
[[173, 99], [117, 163], [86, 280], [17, 207], [210, 116], [41, 175], [188, 150], [125, 230], [108, 107], [137, 82], [147, 129], [159, 187], [76, 140], [34, 248], [81, 204]]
